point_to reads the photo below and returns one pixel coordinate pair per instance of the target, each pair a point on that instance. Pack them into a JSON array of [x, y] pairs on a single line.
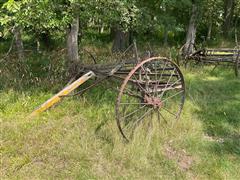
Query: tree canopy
[[166, 21]]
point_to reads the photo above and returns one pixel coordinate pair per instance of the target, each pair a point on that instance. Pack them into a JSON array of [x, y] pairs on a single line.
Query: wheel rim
[[154, 89]]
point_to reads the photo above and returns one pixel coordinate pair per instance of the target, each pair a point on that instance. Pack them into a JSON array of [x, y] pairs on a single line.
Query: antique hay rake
[[151, 88], [221, 56]]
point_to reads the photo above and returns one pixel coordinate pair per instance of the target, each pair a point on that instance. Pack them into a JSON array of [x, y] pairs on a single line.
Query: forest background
[[40, 49]]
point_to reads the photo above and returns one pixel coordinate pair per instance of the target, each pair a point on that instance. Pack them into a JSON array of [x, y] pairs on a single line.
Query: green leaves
[[37, 16], [12, 6]]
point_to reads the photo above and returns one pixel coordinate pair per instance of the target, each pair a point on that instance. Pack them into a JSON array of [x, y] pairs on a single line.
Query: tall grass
[[79, 139]]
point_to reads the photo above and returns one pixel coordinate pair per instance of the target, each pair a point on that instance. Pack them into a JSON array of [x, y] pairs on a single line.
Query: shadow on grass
[[217, 94]]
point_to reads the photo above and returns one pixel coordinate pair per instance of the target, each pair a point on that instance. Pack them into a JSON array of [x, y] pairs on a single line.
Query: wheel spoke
[[161, 75], [169, 111], [156, 79], [172, 96], [133, 103], [133, 112], [138, 120], [158, 117], [162, 116], [164, 89], [167, 83], [129, 92], [144, 90]]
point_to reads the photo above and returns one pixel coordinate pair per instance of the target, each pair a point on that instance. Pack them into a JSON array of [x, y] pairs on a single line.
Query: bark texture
[[191, 33], [209, 34], [228, 16], [19, 42], [121, 40], [72, 46], [165, 42]]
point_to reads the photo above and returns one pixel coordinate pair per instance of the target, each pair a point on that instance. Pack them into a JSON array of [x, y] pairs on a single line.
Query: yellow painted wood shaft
[[56, 98]]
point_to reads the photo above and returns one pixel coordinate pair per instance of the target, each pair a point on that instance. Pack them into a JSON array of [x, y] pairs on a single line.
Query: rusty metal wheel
[[154, 90]]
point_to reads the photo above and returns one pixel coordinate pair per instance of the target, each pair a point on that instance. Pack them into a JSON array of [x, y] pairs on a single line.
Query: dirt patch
[[213, 139], [181, 157]]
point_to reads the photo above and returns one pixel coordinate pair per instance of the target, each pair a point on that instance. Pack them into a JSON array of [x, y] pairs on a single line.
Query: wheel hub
[[153, 101]]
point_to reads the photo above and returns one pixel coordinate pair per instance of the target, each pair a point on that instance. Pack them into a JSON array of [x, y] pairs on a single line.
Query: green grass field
[[79, 139]]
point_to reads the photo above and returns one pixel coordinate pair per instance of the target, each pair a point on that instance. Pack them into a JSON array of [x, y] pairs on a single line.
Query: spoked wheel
[[154, 90]]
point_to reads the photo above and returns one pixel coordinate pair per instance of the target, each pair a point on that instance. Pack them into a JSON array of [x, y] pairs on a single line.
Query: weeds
[[79, 139]]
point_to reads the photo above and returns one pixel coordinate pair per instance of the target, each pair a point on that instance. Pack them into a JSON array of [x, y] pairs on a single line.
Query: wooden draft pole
[[56, 98]]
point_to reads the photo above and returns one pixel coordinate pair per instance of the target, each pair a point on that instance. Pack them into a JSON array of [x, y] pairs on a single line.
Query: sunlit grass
[[79, 139]]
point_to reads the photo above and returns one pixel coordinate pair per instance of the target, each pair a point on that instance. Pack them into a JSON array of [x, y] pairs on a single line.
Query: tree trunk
[[100, 26], [102, 29], [112, 32], [19, 42], [236, 32], [228, 14], [121, 40], [191, 34], [72, 46], [38, 45], [45, 38], [165, 37], [209, 30]]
